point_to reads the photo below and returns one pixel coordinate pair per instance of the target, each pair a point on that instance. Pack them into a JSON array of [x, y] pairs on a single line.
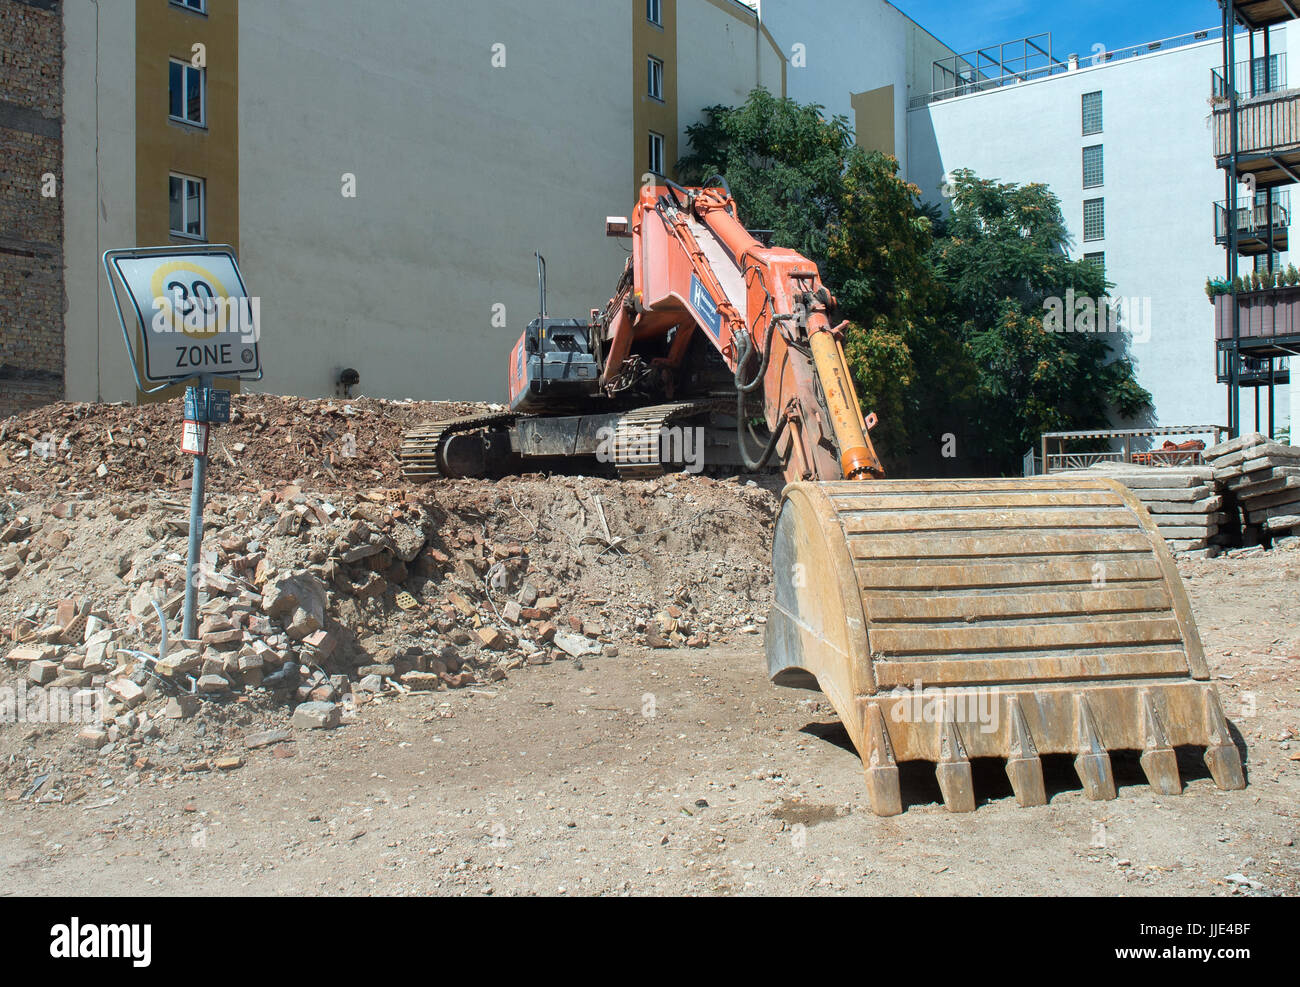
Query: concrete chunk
[[316, 716]]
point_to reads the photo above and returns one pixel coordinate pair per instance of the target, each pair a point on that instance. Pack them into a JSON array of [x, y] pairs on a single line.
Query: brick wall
[[32, 301]]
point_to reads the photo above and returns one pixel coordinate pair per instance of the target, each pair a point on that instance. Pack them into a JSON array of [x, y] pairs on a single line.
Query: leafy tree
[[783, 161], [1003, 266], [947, 315]]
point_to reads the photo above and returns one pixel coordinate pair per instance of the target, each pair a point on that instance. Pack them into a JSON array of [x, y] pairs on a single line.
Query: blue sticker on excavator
[[705, 307]]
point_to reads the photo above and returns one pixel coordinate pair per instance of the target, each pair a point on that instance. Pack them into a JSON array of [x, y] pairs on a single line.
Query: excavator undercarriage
[[945, 620]]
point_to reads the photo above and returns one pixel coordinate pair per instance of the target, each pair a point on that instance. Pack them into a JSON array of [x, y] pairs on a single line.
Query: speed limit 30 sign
[[195, 315]]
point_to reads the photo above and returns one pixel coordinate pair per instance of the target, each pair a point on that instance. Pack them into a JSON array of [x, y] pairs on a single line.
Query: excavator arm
[[695, 269]]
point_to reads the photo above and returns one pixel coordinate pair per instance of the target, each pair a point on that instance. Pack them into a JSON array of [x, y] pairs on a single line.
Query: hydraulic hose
[[754, 464]]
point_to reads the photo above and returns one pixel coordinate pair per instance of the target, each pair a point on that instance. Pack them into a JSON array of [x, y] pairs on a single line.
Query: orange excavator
[[945, 620]]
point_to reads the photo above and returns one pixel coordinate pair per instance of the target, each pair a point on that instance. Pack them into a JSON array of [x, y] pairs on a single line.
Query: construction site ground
[[639, 769]]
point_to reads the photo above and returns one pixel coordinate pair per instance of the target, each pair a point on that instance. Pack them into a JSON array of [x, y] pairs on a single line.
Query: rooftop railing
[[983, 70]]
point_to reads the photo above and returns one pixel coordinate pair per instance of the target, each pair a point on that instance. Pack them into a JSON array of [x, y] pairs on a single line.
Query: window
[[654, 12], [1091, 113], [1261, 262], [655, 78], [185, 85], [1093, 166], [1264, 75], [198, 6], [186, 206], [656, 153], [1094, 219], [1097, 259]]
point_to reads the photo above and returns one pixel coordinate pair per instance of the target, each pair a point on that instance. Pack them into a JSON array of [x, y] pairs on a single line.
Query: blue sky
[[1075, 25]]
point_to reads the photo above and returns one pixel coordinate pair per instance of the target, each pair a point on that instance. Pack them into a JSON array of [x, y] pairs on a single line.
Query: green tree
[[1004, 272], [946, 314]]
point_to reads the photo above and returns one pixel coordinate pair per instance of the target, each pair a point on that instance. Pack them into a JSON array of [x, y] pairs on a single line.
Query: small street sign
[[207, 404], [194, 438]]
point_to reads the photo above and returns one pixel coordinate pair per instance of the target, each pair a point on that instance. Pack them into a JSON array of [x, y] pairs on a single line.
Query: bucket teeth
[[1158, 760], [1024, 766], [1093, 763], [881, 771], [1221, 754], [953, 768]]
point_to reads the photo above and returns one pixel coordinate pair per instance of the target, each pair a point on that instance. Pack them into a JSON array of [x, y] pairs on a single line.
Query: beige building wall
[[386, 171], [651, 115], [166, 31], [873, 119], [723, 53], [99, 188]]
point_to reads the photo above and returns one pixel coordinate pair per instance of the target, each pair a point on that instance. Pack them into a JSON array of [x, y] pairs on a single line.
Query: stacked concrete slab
[[1182, 500], [1264, 478]]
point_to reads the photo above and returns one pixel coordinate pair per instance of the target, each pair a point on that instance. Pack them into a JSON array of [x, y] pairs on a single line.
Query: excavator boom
[[943, 619], [695, 268]]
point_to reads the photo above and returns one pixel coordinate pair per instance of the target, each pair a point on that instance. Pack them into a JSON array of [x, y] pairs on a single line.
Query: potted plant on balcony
[[1269, 302]]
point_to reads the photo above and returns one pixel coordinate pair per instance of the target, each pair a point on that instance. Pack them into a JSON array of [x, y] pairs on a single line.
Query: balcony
[[1252, 371], [1259, 14], [1269, 323], [1268, 137], [1253, 78], [1257, 230]]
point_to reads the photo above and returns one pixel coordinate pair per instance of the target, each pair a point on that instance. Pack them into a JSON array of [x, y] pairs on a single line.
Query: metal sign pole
[[188, 629]]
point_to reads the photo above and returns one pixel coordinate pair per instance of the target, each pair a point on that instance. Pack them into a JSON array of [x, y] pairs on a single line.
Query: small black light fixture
[[348, 379]]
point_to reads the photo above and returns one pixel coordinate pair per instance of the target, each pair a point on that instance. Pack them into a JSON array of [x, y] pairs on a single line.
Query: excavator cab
[[553, 365]]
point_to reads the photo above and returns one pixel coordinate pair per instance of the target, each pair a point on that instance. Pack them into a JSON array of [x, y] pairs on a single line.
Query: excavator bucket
[[955, 619]]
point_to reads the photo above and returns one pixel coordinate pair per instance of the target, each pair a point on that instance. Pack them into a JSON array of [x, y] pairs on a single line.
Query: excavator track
[[637, 446], [420, 454], [954, 619]]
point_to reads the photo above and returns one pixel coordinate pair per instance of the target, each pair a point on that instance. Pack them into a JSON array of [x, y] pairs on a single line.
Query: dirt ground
[[642, 770], [684, 772]]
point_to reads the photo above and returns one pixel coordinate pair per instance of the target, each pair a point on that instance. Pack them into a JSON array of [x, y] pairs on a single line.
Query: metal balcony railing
[[1254, 221], [1028, 59], [1257, 78], [1252, 370], [1265, 125]]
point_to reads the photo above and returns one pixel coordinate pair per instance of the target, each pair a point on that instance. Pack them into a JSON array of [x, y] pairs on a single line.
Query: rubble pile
[[328, 444], [1264, 479], [313, 602]]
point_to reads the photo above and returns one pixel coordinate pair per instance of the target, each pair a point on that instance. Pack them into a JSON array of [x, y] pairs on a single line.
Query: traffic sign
[[207, 404], [195, 315], [194, 438], [197, 321]]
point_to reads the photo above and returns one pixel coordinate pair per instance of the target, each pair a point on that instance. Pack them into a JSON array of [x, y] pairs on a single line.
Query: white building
[[1123, 139]]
